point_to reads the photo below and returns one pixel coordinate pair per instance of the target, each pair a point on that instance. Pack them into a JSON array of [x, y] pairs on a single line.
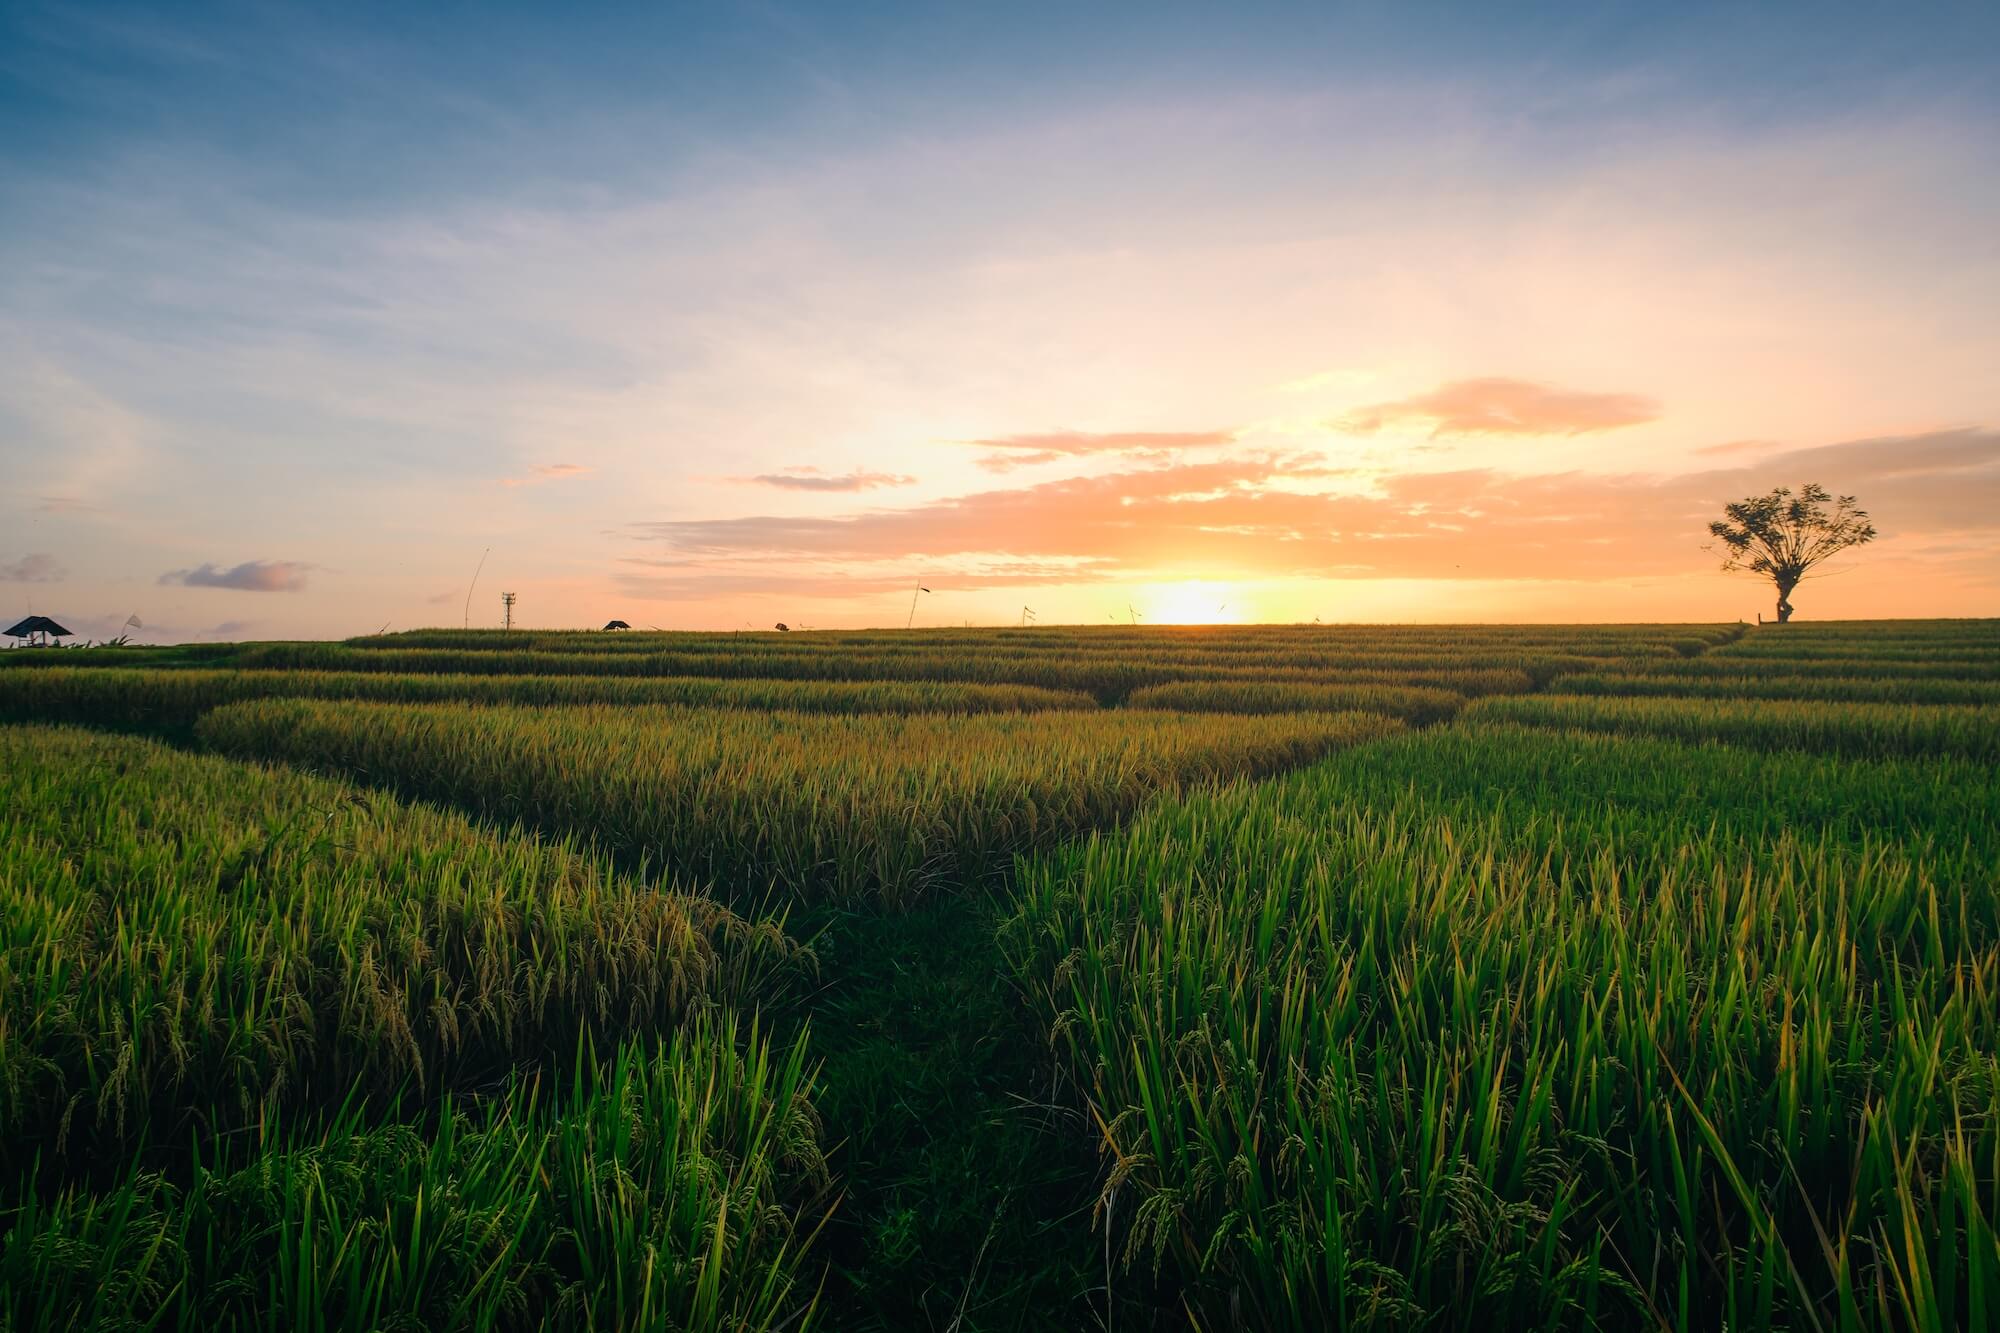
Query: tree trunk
[[1785, 600]]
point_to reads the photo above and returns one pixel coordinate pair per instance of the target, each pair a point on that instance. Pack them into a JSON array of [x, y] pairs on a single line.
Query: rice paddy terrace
[[1446, 977]]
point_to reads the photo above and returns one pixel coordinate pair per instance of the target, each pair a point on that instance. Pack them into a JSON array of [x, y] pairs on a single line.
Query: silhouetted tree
[[1782, 536]]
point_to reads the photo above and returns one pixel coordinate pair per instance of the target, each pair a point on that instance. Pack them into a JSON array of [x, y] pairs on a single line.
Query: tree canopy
[[1782, 536]]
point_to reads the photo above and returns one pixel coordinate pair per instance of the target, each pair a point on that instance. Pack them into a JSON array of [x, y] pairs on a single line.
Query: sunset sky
[[722, 315]]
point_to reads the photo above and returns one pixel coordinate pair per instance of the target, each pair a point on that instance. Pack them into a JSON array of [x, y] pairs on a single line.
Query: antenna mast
[[474, 584]]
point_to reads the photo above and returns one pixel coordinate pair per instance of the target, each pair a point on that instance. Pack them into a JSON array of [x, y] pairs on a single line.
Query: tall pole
[[474, 584], [913, 606], [507, 602]]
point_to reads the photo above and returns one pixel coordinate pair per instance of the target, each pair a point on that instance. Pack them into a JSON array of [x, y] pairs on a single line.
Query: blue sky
[[356, 292]]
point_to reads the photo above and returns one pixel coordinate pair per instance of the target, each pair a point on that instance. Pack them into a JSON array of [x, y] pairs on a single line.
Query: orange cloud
[[250, 576], [1500, 406], [1246, 516]]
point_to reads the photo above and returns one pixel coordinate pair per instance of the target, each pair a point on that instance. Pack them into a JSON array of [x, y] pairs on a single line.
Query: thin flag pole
[[474, 584]]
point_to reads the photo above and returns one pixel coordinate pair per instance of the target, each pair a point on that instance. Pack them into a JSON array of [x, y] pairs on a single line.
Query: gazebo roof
[[38, 625]]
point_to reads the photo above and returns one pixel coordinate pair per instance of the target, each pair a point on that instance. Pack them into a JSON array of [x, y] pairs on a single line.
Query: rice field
[[806, 805], [1371, 977], [191, 940], [1826, 689], [1403, 1039], [1871, 730], [164, 699]]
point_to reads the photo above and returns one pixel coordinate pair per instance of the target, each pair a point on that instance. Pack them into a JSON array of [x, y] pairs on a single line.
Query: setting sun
[[1195, 602]]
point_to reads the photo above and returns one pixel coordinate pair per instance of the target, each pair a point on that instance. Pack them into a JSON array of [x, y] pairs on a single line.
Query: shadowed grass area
[[967, 1171], [674, 1185]]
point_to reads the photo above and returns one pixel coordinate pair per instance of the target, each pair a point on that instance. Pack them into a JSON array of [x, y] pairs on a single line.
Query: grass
[[1650, 1001], [1865, 730], [1417, 706], [174, 700], [1407, 1040], [188, 943], [805, 805], [664, 1187], [967, 1170], [1107, 675], [1823, 689]]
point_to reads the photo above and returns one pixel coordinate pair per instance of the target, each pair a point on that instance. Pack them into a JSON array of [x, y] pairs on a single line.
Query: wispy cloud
[[1328, 379], [442, 598], [670, 581], [542, 472], [92, 442], [1007, 452], [1500, 406], [250, 576], [812, 479], [35, 567]]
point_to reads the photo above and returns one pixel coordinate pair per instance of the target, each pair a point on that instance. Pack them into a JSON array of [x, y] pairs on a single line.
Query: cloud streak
[[1499, 406], [1004, 453], [812, 479], [250, 576], [542, 472], [35, 567]]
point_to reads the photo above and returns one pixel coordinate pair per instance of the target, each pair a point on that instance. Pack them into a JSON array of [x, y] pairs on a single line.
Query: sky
[[712, 316]]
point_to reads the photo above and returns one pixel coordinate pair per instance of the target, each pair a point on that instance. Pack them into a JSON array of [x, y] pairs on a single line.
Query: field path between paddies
[[884, 844]]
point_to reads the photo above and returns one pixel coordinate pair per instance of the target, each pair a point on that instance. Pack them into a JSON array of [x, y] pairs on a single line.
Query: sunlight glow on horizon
[[1192, 602]]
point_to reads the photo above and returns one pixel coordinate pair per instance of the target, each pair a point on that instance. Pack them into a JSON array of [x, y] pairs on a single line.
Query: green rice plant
[[176, 699], [1419, 707], [813, 804], [1858, 729], [1108, 676], [125, 659], [1985, 631], [1497, 1027], [1824, 689], [1716, 666], [1909, 640], [184, 939], [674, 1186]]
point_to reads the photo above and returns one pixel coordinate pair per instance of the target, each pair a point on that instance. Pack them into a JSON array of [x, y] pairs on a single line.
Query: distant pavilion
[[38, 631]]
